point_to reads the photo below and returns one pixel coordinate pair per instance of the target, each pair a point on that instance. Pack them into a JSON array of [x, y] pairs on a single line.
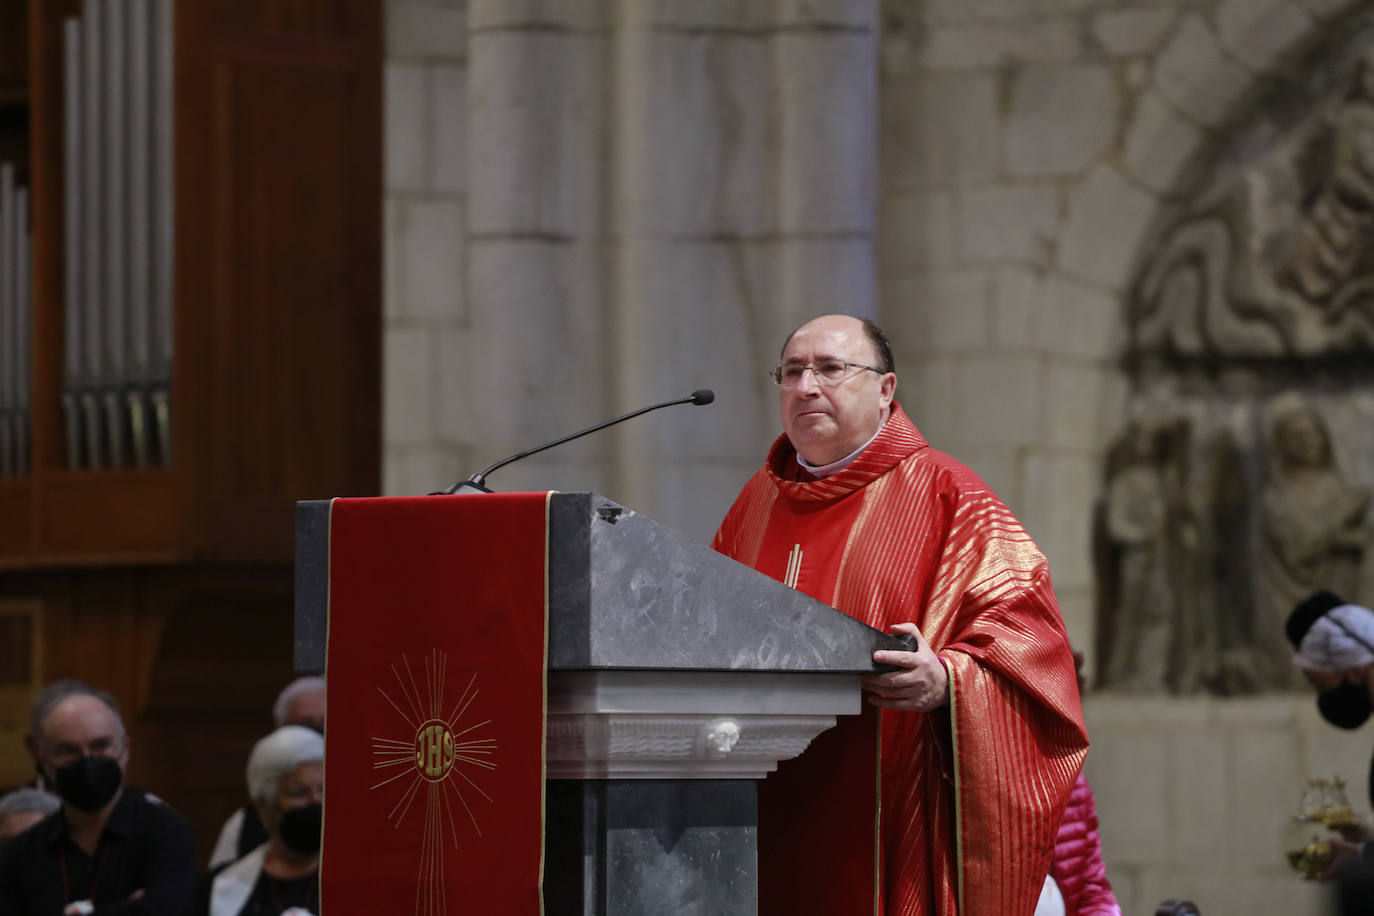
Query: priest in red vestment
[[982, 731]]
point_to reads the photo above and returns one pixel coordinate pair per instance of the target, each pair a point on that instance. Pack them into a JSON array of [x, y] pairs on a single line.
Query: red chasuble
[[436, 689], [971, 793]]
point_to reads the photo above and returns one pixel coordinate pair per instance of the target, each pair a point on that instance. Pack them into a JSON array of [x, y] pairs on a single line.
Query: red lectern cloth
[[434, 755]]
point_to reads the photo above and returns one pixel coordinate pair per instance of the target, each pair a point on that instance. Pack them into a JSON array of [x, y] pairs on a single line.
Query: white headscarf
[[1339, 640]]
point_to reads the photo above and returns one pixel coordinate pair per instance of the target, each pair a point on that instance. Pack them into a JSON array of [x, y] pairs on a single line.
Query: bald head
[[882, 348]]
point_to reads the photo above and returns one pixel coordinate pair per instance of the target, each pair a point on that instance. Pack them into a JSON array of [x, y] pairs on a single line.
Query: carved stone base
[[666, 725]]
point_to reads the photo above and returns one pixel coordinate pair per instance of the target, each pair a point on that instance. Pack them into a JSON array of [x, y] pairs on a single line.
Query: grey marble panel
[[627, 592], [312, 584], [645, 848]]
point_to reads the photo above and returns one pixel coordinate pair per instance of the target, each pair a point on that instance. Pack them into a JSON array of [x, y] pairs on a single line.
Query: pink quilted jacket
[[1077, 866]]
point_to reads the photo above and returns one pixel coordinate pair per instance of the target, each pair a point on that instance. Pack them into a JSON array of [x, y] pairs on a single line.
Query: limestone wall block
[[927, 389], [985, 46], [999, 468], [1279, 890], [408, 385], [428, 29], [428, 258], [1200, 802], [1112, 714], [1076, 606], [856, 14], [1130, 32], [1014, 303], [692, 498], [448, 118], [1060, 119], [1197, 76], [1129, 773], [1073, 395], [999, 400], [916, 231], [532, 14], [536, 98], [1058, 494], [1004, 10], [457, 382], [1258, 32], [1265, 767], [1159, 143], [817, 276], [392, 206], [942, 312], [1325, 751], [692, 135], [941, 128], [537, 327], [827, 98], [406, 141], [679, 305], [1329, 8], [1078, 320], [1003, 221], [1112, 406], [418, 469], [1108, 217]]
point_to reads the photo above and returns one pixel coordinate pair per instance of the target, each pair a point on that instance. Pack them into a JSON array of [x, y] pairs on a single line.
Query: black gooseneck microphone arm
[[478, 482]]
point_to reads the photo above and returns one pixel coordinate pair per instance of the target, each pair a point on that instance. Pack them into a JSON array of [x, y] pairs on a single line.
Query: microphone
[[700, 397]]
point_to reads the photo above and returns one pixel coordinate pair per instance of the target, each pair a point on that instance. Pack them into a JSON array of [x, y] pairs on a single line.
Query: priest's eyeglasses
[[826, 372]]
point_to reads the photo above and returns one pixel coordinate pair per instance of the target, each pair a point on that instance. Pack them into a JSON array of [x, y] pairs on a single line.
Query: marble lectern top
[[626, 592]]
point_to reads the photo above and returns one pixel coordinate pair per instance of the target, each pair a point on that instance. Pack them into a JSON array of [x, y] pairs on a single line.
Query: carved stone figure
[[1142, 523], [1313, 529], [1276, 258], [1251, 355], [1332, 248]]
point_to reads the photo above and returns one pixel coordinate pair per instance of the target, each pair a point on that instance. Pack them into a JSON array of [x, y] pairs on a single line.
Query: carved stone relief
[[1243, 481]]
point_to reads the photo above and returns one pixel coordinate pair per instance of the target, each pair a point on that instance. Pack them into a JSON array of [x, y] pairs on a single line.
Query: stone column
[[660, 191], [537, 348], [744, 175]]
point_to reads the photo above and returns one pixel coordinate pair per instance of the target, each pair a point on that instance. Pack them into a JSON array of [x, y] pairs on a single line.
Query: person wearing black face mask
[[109, 848], [1335, 650], [301, 702], [286, 784]]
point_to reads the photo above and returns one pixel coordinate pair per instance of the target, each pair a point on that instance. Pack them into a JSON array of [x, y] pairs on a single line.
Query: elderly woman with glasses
[[286, 785]]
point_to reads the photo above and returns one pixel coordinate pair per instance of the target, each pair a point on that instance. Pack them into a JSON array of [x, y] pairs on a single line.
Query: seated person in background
[[1335, 650], [110, 848], [301, 702], [22, 808], [286, 784], [42, 704]]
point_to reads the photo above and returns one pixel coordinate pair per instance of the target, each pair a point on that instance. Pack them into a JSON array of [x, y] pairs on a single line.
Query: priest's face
[[827, 421]]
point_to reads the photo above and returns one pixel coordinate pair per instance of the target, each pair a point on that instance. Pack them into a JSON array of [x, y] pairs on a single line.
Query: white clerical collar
[[825, 470]]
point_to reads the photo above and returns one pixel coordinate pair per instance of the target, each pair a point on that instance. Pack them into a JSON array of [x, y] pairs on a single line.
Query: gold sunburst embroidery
[[439, 762]]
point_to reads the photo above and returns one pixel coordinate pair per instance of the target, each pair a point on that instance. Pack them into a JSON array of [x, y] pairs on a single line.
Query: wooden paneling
[[283, 250], [276, 383], [172, 587], [14, 52]]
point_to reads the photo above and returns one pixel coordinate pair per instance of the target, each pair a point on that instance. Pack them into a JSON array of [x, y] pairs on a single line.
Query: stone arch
[[1252, 282]]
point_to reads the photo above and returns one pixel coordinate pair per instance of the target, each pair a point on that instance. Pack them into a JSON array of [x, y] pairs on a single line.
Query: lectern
[[676, 678]]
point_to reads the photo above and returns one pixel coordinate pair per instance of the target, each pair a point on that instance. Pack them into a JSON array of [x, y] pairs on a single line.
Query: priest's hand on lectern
[[921, 685]]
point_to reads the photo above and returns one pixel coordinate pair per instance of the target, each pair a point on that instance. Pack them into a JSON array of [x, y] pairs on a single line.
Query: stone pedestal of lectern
[[677, 678]]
